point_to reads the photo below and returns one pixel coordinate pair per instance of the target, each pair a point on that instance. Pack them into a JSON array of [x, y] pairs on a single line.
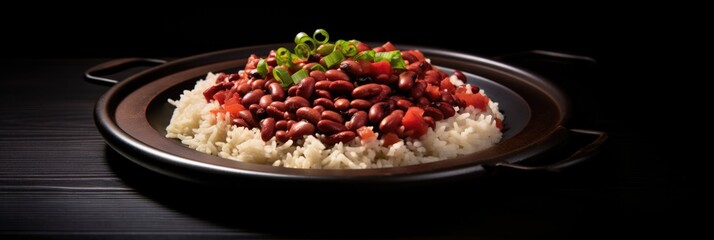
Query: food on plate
[[336, 105]]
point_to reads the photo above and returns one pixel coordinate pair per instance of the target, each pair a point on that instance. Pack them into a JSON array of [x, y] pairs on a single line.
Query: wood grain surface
[[58, 179]]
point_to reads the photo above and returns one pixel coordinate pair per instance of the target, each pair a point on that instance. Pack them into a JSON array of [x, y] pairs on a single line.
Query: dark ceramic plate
[[133, 114]]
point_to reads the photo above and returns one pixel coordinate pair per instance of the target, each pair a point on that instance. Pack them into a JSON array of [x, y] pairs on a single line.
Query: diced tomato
[[366, 134], [474, 99], [382, 67], [252, 62], [221, 78], [447, 86], [233, 99], [413, 121], [362, 47], [389, 47], [499, 123], [389, 139], [220, 97], [233, 108]]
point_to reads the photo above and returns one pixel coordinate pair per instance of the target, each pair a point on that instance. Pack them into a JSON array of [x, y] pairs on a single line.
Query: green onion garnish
[[365, 55], [393, 57], [302, 50], [283, 57], [283, 76], [299, 75], [348, 49], [334, 58], [323, 33], [263, 68]]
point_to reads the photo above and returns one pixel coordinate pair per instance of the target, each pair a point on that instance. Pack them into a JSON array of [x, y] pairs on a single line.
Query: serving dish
[[132, 116]]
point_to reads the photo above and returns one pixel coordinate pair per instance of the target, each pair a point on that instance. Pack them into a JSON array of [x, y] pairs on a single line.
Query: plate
[[133, 114]]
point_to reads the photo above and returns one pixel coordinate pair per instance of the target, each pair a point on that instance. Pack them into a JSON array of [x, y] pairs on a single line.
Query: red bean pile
[[341, 100]]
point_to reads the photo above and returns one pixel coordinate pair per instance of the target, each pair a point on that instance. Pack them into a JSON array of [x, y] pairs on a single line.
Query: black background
[[633, 187]]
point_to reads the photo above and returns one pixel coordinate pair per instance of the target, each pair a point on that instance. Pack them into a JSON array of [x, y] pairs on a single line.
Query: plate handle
[[578, 156], [93, 74]]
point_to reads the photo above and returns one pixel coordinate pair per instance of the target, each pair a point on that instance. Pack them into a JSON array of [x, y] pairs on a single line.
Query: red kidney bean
[[430, 121], [360, 104], [256, 110], [333, 75], [273, 111], [331, 115], [422, 101], [344, 136], [240, 122], [265, 101], [305, 88], [351, 67], [446, 109], [403, 104], [323, 85], [417, 89], [351, 112], [330, 127], [382, 95], [475, 89], [267, 128], [391, 122], [432, 77], [382, 78], [324, 102], [266, 86], [308, 114], [319, 108], [252, 97], [291, 123], [317, 75], [293, 103], [292, 91], [307, 66], [289, 116], [281, 136], [378, 111], [342, 104], [433, 112], [276, 91], [300, 129], [257, 84], [406, 80], [447, 97], [433, 96], [358, 120], [247, 117], [323, 94], [278, 105], [415, 67], [409, 57], [460, 75], [341, 87], [367, 90], [281, 125], [243, 88]]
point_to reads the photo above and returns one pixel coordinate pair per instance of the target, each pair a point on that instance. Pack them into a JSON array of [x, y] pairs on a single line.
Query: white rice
[[468, 131]]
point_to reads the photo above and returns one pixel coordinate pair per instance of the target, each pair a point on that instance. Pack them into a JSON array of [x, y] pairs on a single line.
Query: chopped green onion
[[283, 57], [335, 57], [318, 67], [302, 50], [303, 38], [323, 33], [393, 57], [263, 68], [283, 76], [348, 49], [325, 49], [365, 55], [299, 75]]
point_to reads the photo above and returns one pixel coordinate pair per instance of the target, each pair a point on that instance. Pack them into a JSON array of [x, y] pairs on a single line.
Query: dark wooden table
[[58, 179]]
